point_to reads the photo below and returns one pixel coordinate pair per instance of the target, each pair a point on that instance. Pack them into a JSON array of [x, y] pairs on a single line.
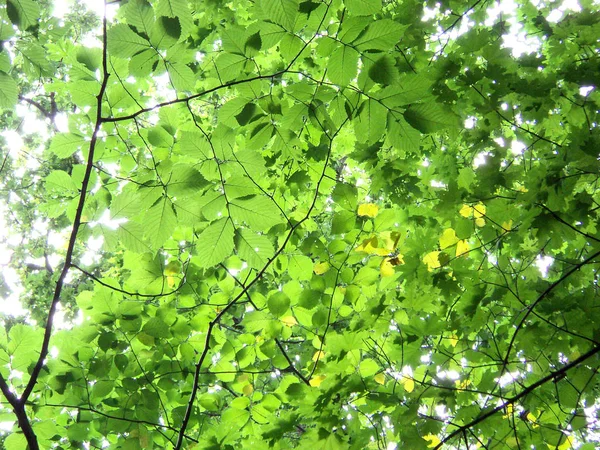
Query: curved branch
[[552, 376]]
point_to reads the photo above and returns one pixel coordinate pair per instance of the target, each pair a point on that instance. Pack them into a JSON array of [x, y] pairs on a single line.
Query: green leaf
[[383, 70], [346, 196], [23, 13], [381, 35], [60, 182], [215, 243], [23, 345], [160, 221], [229, 66], [124, 42], [368, 367], [64, 145], [172, 8], [139, 14], [258, 212], [195, 145], [411, 88], [15, 441], [5, 63], [363, 7], [281, 12], [8, 92], [343, 65], [371, 121], [278, 303], [184, 180], [300, 267], [430, 117], [253, 248], [401, 135], [157, 328], [182, 77]]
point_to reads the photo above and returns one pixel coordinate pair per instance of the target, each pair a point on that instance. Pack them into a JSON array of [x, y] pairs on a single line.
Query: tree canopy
[[336, 224]]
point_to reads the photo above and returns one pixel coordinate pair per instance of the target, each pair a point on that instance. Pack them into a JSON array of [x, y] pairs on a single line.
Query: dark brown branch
[[552, 376], [123, 291], [564, 222], [18, 404], [506, 119], [38, 106], [541, 297]]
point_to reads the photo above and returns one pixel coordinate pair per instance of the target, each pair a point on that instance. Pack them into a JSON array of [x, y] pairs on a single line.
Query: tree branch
[[19, 404], [556, 375]]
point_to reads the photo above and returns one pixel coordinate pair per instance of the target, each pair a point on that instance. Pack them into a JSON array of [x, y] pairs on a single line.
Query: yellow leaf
[[462, 384], [433, 440], [479, 210], [480, 222], [171, 282], [319, 354], [386, 268], [453, 340], [289, 321], [507, 225], [448, 238], [370, 246], [432, 261], [248, 390], [509, 411], [316, 381], [173, 268], [408, 383], [466, 211], [321, 268], [379, 378], [521, 188], [462, 247], [567, 444], [368, 209]]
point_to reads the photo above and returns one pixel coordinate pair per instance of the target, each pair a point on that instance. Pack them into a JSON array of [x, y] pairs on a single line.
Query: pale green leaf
[[60, 182], [139, 14], [401, 135], [255, 249], [430, 117], [64, 145], [281, 12], [363, 7], [300, 267], [195, 145], [343, 65], [160, 221], [124, 205], [124, 42], [229, 66], [9, 92], [215, 243], [259, 212], [182, 77], [23, 13], [381, 35], [370, 123]]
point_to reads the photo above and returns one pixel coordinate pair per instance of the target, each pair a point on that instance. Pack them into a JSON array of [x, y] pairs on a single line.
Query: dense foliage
[[340, 224]]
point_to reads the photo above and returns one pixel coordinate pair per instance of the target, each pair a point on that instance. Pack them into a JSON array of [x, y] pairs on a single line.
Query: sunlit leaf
[[368, 210], [432, 260]]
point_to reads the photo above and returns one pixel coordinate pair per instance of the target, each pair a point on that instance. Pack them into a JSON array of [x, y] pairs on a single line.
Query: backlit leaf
[[368, 209], [215, 243]]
